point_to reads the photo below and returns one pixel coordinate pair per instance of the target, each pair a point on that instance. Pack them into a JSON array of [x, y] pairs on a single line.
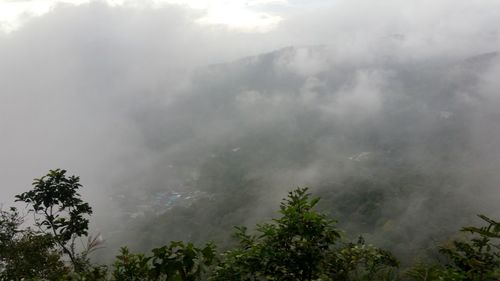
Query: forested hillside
[[301, 244], [402, 150], [188, 118]]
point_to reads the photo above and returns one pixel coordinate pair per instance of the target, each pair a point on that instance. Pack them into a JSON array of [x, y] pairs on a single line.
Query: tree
[[131, 267], [60, 212], [298, 242], [302, 245], [174, 262], [9, 226], [474, 259], [478, 258], [26, 254], [293, 247], [359, 261]]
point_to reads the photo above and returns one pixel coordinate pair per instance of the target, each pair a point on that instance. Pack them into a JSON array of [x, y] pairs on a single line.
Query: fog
[[390, 100]]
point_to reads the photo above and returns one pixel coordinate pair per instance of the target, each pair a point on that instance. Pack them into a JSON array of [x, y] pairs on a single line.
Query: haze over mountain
[[181, 131], [403, 152]]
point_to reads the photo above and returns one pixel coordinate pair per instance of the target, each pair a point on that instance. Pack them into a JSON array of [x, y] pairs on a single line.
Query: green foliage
[[479, 258], [131, 267], [55, 198], [476, 259], [179, 261], [242, 263], [60, 211], [9, 223], [88, 273], [175, 262], [26, 254], [431, 272], [301, 245], [359, 261], [295, 244], [60, 218]]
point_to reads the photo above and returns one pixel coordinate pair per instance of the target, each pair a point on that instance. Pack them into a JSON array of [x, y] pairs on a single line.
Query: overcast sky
[[245, 15]]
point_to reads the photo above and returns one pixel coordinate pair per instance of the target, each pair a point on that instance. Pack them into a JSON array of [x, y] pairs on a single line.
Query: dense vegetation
[[388, 145], [302, 244]]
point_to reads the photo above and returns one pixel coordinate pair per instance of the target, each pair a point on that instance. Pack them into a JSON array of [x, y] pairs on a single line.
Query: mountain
[[402, 150]]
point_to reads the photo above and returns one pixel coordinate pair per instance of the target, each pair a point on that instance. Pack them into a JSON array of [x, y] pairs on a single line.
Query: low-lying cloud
[[373, 95]]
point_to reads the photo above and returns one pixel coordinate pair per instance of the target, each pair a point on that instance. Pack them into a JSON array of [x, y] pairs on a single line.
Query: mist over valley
[[181, 130]]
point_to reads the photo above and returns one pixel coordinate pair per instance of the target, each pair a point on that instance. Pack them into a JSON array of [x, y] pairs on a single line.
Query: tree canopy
[[301, 244]]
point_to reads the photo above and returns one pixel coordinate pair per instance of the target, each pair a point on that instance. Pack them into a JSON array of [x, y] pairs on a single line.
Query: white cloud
[[14, 13], [238, 14], [242, 19]]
